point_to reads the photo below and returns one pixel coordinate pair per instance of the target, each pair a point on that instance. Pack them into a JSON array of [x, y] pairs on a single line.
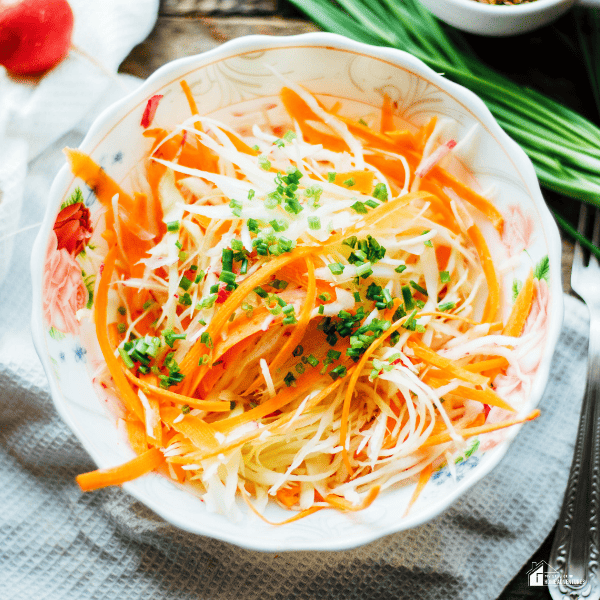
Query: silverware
[[573, 572]]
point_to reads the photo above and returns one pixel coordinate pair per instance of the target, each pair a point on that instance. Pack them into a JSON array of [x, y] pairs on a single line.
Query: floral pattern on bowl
[[231, 82]]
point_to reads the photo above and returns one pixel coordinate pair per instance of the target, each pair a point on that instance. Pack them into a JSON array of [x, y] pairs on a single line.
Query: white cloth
[[59, 544], [36, 114]]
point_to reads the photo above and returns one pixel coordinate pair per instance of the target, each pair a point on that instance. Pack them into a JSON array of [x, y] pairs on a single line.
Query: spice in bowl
[[505, 2]]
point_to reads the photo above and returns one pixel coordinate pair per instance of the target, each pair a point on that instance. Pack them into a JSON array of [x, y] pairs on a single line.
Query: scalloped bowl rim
[[336, 42]]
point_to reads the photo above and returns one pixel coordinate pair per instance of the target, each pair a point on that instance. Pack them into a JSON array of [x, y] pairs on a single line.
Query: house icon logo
[[542, 573]]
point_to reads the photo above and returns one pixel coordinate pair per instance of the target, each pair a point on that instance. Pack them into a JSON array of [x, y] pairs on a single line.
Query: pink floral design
[[63, 289], [518, 230]]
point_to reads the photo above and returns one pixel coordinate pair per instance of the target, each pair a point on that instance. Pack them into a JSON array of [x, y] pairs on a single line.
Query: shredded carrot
[[301, 515], [228, 307], [492, 305], [433, 358], [424, 477], [443, 438], [303, 321], [343, 504], [482, 204], [290, 495], [521, 309], [138, 466], [128, 396], [387, 115], [136, 433]]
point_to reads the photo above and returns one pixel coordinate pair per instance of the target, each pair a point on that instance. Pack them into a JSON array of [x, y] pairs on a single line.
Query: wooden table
[[187, 27]]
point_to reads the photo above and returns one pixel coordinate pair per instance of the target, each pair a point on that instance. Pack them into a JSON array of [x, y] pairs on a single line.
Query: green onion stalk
[[563, 146]]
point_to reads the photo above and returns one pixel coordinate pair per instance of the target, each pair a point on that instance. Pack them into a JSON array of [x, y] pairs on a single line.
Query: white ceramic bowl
[[233, 79], [499, 20]]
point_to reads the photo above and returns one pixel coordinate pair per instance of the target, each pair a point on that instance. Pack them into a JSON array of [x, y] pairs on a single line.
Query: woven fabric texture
[[60, 544]]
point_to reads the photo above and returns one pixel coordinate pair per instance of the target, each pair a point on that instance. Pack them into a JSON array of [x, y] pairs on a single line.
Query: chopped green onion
[[206, 339], [289, 136], [339, 371], [279, 224], [359, 207], [227, 259], [446, 306], [311, 360], [417, 287], [253, 225], [324, 296], [380, 192], [126, 358], [400, 269], [122, 310], [121, 327], [372, 203], [336, 268], [261, 292], [314, 223], [350, 182], [444, 276], [184, 283], [289, 379], [333, 354], [264, 163], [173, 226], [331, 176], [407, 297]]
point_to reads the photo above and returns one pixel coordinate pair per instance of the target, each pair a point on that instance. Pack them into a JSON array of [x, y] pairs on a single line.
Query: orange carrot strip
[[492, 304], [303, 320], [189, 96], [466, 193], [190, 361], [200, 433], [424, 477], [308, 382], [443, 438], [371, 137], [136, 433], [486, 396], [240, 145], [433, 358], [297, 517], [104, 187], [343, 504], [302, 113], [289, 496], [359, 181], [521, 309], [153, 390], [425, 132], [383, 211], [387, 115], [128, 396], [140, 465], [486, 365], [441, 203]]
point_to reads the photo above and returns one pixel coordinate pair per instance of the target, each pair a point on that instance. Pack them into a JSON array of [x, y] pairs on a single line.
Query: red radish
[[150, 111], [35, 35]]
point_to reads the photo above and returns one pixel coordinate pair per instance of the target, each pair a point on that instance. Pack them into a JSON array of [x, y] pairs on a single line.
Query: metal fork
[[573, 572]]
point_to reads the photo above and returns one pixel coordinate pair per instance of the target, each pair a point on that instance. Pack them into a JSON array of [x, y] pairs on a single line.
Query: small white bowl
[[499, 20], [231, 80]]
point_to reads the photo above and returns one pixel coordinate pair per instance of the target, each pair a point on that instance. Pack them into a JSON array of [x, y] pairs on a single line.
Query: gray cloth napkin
[[59, 544]]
